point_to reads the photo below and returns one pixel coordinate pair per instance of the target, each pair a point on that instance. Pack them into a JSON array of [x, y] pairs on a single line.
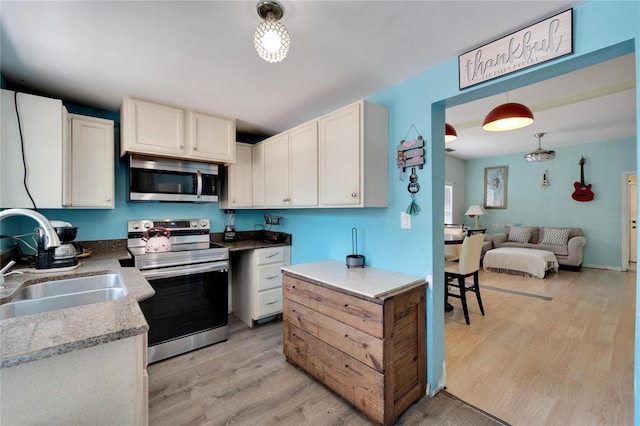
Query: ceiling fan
[[540, 154]]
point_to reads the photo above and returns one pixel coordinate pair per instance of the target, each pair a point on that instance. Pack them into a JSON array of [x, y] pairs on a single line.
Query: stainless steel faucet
[[5, 271], [51, 237]]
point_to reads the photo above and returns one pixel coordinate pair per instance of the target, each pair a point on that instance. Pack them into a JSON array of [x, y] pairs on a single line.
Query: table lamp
[[473, 212]]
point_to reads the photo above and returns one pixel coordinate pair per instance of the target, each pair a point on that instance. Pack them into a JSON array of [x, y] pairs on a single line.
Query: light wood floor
[[246, 381], [568, 361]]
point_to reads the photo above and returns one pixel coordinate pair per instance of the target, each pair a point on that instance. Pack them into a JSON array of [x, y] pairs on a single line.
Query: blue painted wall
[[602, 30], [530, 204]]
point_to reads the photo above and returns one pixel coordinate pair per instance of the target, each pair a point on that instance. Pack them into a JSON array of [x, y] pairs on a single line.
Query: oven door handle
[[199, 184], [185, 270]]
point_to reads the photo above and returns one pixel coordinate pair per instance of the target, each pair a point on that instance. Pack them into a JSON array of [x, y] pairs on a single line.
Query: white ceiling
[[200, 55], [597, 103]]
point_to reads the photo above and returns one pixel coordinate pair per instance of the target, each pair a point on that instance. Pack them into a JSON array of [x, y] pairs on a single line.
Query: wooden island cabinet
[[360, 332]]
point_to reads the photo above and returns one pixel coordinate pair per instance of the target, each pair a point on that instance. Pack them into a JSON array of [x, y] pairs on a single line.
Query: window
[[448, 204]]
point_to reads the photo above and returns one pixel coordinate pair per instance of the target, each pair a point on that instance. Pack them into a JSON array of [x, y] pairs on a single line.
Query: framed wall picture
[[495, 187]]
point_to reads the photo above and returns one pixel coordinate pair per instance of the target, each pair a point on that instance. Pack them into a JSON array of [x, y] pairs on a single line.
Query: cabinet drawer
[[270, 255], [269, 276], [269, 302], [360, 314], [361, 346], [349, 378]]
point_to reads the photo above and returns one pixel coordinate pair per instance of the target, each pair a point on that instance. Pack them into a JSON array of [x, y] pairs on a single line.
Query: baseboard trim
[[606, 267]]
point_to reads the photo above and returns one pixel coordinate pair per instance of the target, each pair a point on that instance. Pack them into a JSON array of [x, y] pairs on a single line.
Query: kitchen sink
[[62, 294], [69, 286]]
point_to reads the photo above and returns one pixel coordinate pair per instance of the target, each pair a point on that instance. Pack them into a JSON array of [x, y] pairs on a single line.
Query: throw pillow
[[519, 234], [555, 237]]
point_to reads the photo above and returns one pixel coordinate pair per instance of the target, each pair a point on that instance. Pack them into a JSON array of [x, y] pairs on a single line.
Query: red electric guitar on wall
[[582, 192]]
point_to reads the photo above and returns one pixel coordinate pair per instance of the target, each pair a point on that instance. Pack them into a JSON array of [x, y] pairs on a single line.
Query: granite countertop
[[39, 336], [370, 282]]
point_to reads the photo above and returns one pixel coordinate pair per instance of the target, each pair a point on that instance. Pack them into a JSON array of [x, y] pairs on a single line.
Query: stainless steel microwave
[[165, 179]]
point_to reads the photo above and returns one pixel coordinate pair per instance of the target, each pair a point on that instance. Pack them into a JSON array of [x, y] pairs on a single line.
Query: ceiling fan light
[[507, 116], [540, 154], [271, 38], [450, 133]]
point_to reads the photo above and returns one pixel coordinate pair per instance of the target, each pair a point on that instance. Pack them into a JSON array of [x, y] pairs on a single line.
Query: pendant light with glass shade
[[271, 38], [540, 154], [509, 116]]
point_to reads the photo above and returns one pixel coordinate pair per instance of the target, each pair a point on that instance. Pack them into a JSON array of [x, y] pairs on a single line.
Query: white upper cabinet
[[258, 174], [276, 171], [211, 138], [155, 129], [69, 159], [291, 168], [354, 157], [41, 121], [338, 160], [151, 128], [303, 165], [89, 180], [238, 181]]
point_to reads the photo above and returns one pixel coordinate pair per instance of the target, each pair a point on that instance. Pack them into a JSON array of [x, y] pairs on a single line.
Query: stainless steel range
[[190, 307]]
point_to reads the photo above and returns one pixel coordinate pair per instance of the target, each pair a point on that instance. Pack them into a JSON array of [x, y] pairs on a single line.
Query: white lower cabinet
[[105, 384], [257, 282]]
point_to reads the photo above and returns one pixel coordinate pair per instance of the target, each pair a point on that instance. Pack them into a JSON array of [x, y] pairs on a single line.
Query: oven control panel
[[173, 225]]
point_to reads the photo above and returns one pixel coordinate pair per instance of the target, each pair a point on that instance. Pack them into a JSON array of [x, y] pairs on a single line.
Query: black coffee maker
[[58, 257]]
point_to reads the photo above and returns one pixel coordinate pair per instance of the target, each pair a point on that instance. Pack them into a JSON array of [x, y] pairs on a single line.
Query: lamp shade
[[474, 210], [507, 116], [450, 133]]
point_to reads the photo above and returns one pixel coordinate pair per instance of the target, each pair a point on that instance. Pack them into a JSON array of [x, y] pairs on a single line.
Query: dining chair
[[468, 264], [452, 251]]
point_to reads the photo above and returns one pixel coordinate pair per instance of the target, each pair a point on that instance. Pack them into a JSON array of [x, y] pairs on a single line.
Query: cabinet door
[[339, 157], [91, 159], [276, 171], [258, 174], [303, 165], [151, 128], [239, 180], [41, 122], [211, 138]]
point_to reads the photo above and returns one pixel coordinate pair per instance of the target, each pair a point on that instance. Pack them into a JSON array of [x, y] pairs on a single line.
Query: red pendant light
[[507, 116], [450, 133]]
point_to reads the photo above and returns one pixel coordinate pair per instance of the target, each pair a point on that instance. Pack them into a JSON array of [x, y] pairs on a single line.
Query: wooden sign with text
[[538, 43]]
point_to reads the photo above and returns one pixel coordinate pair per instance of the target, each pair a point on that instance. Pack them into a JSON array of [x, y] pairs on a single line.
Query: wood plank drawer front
[[269, 302], [349, 378], [270, 255], [358, 313], [299, 291], [269, 276], [361, 346]]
